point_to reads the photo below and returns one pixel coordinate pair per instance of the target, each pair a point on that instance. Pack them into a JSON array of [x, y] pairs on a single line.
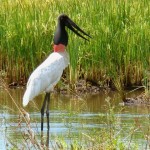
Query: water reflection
[[69, 114]]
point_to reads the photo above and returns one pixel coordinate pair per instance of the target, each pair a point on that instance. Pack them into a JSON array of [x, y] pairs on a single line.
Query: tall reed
[[119, 47]]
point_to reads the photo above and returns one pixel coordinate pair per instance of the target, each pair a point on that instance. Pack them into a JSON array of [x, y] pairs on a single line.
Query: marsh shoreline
[[82, 87]]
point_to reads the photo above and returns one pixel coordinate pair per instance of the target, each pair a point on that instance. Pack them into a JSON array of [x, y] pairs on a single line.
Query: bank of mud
[[86, 87]]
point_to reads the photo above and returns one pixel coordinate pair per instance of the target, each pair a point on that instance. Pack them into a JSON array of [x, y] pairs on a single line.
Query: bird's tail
[[26, 98], [28, 95]]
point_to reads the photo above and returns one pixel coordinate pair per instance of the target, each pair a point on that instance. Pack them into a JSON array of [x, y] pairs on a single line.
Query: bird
[[47, 74]]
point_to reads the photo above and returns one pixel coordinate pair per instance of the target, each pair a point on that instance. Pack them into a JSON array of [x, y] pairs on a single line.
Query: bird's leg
[[47, 139], [47, 109], [42, 111]]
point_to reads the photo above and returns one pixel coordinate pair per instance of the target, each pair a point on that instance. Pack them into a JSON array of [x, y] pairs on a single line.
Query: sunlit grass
[[119, 47]]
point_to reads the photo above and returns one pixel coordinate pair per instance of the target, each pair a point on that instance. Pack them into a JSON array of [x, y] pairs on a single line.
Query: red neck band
[[59, 48]]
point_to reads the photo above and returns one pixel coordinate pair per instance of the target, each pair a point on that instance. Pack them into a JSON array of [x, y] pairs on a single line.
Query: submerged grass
[[119, 48]]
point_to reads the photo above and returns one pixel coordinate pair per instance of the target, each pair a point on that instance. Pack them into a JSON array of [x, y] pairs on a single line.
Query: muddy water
[[68, 115]]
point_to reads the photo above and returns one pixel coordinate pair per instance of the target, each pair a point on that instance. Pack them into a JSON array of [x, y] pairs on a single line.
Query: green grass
[[119, 48]]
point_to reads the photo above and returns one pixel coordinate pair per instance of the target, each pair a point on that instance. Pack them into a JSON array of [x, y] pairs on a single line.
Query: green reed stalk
[[119, 47]]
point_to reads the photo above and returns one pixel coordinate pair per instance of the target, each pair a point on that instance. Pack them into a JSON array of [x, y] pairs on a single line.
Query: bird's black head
[[62, 19], [61, 36]]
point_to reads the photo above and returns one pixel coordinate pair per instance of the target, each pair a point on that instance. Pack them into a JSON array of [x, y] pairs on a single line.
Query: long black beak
[[72, 26]]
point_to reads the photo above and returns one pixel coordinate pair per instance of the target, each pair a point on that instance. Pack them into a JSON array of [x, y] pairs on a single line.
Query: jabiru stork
[[46, 76]]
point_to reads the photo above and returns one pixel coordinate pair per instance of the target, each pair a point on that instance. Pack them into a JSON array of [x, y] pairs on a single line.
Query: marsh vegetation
[[118, 52], [117, 56]]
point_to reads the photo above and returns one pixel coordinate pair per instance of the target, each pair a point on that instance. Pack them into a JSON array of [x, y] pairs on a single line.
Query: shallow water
[[71, 115]]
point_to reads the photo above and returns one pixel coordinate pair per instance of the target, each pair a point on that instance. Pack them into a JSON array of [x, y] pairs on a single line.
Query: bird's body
[[46, 76]]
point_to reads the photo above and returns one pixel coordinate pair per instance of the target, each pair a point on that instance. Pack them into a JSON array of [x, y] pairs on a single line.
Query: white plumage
[[46, 76]]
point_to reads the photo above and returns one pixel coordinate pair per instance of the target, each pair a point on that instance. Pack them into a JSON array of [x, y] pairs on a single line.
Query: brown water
[[68, 115]]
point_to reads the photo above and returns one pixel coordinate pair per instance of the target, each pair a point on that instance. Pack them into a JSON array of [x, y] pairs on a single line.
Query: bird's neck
[[59, 48]]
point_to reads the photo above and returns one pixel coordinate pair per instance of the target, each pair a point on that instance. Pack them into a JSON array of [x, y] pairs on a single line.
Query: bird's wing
[[44, 77]]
